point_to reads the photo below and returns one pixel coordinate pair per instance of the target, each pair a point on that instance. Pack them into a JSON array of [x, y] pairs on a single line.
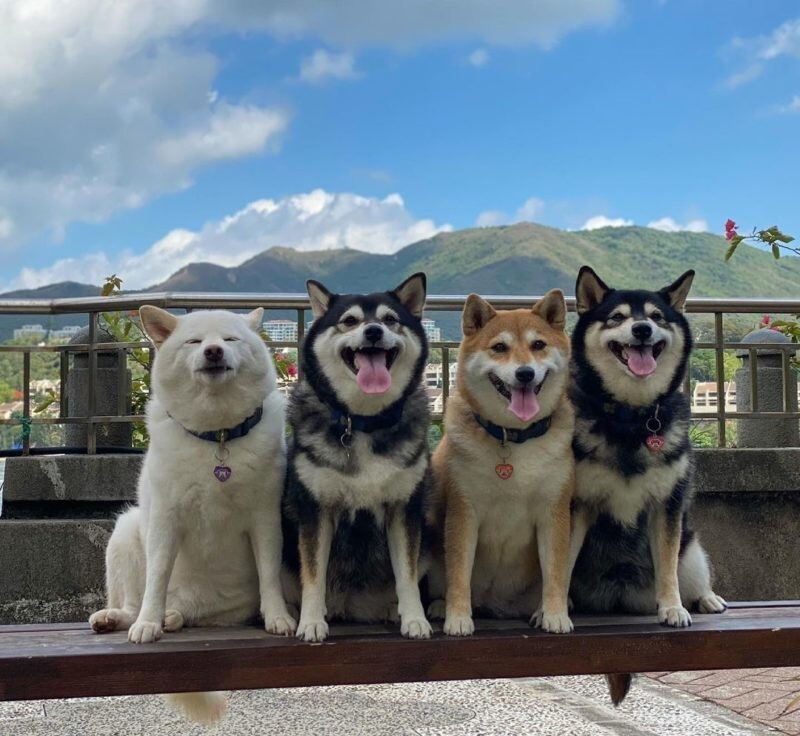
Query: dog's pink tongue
[[373, 376], [641, 361], [524, 403]]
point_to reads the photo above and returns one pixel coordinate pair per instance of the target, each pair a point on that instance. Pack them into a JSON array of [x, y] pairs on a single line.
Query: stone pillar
[[109, 364], [766, 431]]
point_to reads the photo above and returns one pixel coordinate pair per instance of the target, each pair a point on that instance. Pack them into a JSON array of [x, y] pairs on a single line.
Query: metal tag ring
[[347, 440], [656, 428]]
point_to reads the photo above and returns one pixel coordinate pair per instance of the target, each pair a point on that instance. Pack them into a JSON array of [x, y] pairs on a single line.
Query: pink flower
[[278, 356], [765, 320], [730, 225], [730, 234], [291, 369]]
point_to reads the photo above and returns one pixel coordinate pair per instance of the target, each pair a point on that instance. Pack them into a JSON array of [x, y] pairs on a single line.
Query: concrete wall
[[58, 513]]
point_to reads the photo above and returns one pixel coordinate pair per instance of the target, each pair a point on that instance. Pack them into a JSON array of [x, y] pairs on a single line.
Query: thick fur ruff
[[196, 551], [506, 536], [354, 500], [633, 547]]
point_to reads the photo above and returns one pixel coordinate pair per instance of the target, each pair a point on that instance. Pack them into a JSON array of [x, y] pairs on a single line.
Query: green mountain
[[518, 259]]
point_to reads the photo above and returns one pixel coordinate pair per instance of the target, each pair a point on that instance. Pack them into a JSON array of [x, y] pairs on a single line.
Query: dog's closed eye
[[231, 339], [193, 341]]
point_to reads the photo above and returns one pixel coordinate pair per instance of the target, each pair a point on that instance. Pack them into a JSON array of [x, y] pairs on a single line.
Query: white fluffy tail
[[206, 708]]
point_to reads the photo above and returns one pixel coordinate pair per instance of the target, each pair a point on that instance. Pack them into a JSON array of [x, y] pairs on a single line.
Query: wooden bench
[[68, 660]]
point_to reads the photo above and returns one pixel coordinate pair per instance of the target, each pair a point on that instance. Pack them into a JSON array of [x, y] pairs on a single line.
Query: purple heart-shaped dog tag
[[222, 473]]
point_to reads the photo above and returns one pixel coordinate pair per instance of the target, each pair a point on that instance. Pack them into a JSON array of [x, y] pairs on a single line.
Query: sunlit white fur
[[328, 348], [493, 406], [196, 551], [617, 378]]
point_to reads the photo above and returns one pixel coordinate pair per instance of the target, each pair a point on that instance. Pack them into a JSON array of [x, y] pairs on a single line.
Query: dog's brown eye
[[500, 347], [617, 317], [657, 316], [349, 321], [538, 345], [390, 319]]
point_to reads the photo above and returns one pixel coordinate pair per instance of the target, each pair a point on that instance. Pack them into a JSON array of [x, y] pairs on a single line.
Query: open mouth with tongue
[[640, 360], [523, 401], [372, 367]]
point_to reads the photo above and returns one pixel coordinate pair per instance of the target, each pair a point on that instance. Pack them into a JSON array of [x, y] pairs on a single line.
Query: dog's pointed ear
[[677, 291], [412, 293], [255, 319], [320, 297], [552, 308], [158, 324], [477, 312], [590, 290]]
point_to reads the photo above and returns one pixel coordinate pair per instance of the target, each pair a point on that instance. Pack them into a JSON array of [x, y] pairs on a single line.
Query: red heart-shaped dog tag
[[654, 443], [504, 470]]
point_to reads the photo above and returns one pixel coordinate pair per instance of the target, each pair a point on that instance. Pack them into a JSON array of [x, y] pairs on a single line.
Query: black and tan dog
[[358, 474], [634, 547]]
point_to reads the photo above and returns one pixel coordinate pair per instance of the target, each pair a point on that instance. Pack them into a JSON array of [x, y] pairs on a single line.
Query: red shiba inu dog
[[504, 471]]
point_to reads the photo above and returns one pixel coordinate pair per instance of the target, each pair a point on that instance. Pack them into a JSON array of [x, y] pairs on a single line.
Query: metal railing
[[298, 303]]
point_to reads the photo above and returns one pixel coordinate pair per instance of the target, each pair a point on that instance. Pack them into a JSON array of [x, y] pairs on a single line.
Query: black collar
[[614, 410], [367, 422], [518, 436], [233, 433]]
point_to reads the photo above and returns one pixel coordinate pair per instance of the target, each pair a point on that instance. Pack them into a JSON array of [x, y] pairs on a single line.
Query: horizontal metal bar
[[435, 302], [127, 419]]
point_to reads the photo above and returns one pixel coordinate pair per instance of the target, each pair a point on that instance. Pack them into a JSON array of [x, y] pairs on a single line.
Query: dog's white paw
[[283, 625], [459, 626], [312, 630], [437, 610], [676, 616], [711, 603], [144, 632], [110, 619], [553, 623], [173, 620], [416, 628]]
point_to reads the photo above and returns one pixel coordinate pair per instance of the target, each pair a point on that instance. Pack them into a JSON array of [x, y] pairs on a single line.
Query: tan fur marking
[[668, 544], [309, 545]]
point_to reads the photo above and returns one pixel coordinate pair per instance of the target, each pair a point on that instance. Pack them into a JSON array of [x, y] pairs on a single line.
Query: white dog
[[203, 545]]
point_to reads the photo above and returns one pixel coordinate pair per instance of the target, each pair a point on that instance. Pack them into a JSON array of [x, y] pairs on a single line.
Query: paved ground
[[771, 696], [567, 706]]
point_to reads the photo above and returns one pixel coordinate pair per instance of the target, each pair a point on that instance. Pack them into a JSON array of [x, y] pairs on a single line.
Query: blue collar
[[233, 433], [518, 436], [367, 422]]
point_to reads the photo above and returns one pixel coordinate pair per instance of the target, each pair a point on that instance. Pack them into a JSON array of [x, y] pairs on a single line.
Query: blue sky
[[138, 136]]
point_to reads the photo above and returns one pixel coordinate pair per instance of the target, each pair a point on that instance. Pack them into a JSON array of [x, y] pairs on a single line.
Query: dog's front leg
[[267, 541], [404, 538], [665, 543], [161, 550], [553, 540], [315, 547], [460, 542]]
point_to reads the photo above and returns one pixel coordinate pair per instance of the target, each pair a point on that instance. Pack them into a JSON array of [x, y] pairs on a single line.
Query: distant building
[[705, 400], [433, 333], [281, 330], [30, 332], [434, 374], [67, 332]]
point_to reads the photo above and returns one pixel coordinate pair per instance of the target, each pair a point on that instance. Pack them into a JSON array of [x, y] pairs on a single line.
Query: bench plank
[[49, 662]]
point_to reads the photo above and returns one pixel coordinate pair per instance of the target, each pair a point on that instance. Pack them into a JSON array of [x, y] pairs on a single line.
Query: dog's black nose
[[373, 333], [214, 353], [525, 374], [641, 330]]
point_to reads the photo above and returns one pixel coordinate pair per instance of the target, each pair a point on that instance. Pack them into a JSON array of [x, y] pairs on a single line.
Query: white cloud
[[598, 221], [479, 58], [491, 218], [108, 104], [317, 220], [792, 107], [668, 225], [323, 65], [531, 210], [759, 51]]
